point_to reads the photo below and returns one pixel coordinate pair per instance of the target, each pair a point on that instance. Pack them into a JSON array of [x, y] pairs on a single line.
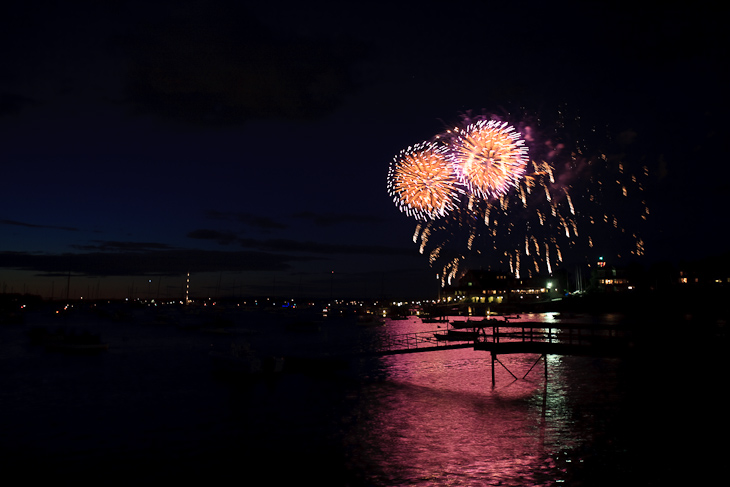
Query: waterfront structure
[[480, 287], [609, 278], [504, 337]]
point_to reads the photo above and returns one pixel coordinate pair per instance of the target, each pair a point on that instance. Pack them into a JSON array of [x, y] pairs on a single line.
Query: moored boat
[[456, 336], [462, 324]]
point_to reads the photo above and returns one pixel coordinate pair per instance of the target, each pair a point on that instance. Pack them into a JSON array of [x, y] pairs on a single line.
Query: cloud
[[217, 65], [332, 219], [260, 222], [286, 245], [114, 246], [223, 238], [296, 246], [33, 225], [147, 262]]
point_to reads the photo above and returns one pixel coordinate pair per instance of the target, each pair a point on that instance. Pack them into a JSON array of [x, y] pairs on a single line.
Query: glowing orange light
[[422, 182]]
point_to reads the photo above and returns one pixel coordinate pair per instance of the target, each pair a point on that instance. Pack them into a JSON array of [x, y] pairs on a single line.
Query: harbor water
[[153, 408]]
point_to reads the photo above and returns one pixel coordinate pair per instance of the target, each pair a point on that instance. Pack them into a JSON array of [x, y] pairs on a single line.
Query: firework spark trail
[[570, 201], [416, 232], [500, 211]]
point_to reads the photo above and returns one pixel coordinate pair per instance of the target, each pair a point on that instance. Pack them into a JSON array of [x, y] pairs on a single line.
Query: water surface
[[152, 403]]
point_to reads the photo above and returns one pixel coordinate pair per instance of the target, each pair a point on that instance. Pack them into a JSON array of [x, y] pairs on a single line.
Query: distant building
[[609, 278], [489, 287], [707, 273]]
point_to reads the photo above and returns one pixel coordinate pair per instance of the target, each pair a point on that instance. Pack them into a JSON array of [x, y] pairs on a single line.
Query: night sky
[[249, 144]]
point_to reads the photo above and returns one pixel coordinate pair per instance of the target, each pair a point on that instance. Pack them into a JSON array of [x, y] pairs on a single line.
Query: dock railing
[[552, 337], [517, 337], [423, 341]]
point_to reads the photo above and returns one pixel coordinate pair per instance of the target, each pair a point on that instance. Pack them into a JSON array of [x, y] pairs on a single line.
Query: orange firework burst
[[489, 204], [489, 158], [422, 182]]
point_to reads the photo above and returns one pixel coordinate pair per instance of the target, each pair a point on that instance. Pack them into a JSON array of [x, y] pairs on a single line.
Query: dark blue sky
[[249, 143]]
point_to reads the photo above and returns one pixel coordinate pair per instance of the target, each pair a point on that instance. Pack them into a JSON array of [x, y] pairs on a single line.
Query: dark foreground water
[[151, 409]]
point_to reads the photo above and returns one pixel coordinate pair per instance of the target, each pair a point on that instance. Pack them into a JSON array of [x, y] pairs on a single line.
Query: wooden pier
[[501, 338], [425, 341], [556, 339]]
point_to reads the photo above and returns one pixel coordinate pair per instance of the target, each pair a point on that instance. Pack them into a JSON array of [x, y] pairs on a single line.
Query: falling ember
[[570, 201], [565, 226], [450, 270], [477, 175], [424, 239], [422, 183], [547, 194], [415, 233], [489, 158]]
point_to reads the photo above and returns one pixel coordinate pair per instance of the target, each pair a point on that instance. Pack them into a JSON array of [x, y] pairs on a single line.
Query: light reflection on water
[[436, 420], [416, 419]]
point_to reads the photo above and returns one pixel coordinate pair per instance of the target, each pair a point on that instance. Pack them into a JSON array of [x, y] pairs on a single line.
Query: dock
[[503, 337]]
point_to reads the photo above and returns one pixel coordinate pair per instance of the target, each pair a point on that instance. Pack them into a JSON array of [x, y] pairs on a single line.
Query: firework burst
[[422, 183], [489, 158], [499, 207]]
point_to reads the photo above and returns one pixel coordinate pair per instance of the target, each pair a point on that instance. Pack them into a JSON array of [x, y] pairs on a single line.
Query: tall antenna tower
[[187, 289]]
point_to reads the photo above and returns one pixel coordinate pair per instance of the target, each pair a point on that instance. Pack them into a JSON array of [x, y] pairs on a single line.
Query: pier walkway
[[504, 337]]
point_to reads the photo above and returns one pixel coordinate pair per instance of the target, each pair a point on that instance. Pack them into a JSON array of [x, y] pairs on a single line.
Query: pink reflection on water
[[437, 420]]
